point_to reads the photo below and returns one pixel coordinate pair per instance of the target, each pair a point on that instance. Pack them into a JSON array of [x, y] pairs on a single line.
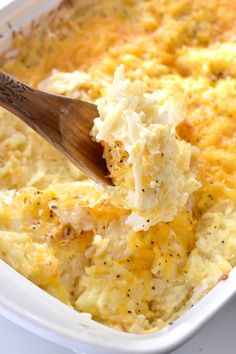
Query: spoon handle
[[65, 122], [11, 90], [34, 107]]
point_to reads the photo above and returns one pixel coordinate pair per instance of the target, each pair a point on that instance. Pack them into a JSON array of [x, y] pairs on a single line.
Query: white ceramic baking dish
[[30, 307]]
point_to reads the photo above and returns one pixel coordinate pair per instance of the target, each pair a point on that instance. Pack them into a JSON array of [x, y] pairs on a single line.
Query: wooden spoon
[[64, 122]]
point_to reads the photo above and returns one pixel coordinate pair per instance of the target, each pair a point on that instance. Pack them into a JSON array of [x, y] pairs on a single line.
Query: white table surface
[[217, 337]]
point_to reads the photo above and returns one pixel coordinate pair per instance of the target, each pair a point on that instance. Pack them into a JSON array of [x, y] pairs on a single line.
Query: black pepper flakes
[[53, 206]]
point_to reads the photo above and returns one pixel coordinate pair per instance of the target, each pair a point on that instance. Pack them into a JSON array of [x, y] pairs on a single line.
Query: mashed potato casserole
[[137, 255]]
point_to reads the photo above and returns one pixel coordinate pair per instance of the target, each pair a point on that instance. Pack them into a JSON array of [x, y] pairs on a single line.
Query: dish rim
[[163, 341]]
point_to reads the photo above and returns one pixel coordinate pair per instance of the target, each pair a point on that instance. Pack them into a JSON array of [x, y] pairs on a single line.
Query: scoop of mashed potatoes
[[150, 166]]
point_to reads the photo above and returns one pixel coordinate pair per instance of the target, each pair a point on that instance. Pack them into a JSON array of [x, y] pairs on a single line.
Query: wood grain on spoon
[[64, 122]]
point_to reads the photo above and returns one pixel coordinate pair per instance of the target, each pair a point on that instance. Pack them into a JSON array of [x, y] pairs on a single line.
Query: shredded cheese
[[149, 164]]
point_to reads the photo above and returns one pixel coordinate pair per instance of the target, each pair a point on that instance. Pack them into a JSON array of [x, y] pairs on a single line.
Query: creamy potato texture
[[140, 254], [150, 167]]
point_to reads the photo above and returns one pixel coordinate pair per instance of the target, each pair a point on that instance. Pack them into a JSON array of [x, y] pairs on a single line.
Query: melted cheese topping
[[70, 236]]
